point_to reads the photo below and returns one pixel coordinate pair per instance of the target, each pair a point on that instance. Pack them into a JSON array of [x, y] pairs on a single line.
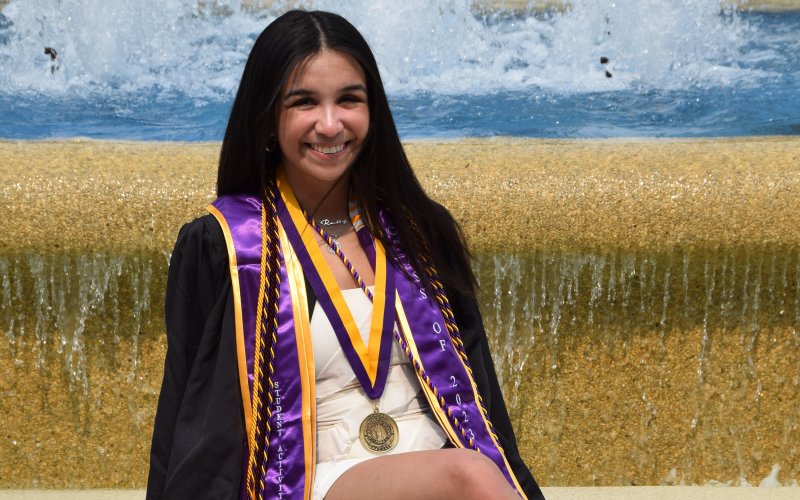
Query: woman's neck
[[323, 201]]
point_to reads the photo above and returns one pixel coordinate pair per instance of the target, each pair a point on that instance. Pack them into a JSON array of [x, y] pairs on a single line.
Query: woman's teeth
[[328, 150]]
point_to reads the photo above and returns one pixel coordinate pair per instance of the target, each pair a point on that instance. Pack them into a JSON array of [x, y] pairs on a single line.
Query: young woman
[[324, 340]]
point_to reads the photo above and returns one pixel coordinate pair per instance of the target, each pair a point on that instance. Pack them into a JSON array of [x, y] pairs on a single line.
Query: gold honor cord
[[455, 337], [264, 350], [427, 388], [259, 436], [241, 357]]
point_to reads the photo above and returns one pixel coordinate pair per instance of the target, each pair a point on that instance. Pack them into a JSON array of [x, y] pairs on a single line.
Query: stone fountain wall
[[642, 300]]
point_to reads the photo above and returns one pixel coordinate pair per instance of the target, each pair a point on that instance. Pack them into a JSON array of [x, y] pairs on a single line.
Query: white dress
[[342, 403]]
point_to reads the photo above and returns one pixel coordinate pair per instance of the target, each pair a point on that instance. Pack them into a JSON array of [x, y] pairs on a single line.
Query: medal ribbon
[[370, 362]]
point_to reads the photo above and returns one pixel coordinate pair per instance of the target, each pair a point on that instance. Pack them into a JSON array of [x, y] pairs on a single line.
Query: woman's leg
[[436, 474]]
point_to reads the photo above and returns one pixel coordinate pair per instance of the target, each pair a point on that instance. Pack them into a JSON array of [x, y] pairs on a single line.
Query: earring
[[272, 144]]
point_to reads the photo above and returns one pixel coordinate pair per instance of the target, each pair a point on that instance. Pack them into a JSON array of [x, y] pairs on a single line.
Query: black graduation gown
[[199, 434]]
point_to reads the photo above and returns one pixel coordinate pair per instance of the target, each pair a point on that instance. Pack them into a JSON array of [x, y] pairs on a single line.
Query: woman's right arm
[[195, 285]]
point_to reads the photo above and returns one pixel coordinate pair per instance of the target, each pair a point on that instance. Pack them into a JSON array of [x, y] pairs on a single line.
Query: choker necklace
[[332, 222], [333, 244]]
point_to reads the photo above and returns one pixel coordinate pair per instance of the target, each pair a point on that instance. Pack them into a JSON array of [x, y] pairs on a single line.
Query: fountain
[[642, 296]]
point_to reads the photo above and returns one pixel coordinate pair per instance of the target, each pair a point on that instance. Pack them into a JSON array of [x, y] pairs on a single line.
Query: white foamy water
[[198, 48], [126, 46]]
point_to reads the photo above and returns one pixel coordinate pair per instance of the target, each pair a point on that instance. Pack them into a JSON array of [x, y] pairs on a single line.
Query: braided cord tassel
[[256, 438], [455, 337], [417, 367], [266, 328], [422, 374], [273, 294], [450, 323]]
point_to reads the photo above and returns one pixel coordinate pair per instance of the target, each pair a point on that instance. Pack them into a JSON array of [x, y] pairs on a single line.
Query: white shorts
[[327, 473]]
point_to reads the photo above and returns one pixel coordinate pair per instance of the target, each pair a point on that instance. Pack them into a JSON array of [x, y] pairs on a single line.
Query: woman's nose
[[329, 123]]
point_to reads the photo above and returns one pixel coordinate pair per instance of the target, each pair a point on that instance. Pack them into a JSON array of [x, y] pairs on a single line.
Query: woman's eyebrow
[[355, 86], [306, 92], [297, 92]]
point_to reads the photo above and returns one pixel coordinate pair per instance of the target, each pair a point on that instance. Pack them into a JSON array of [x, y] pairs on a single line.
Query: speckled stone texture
[[641, 299], [509, 194]]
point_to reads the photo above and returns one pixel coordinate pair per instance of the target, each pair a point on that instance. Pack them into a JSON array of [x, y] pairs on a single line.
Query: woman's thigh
[[436, 474]]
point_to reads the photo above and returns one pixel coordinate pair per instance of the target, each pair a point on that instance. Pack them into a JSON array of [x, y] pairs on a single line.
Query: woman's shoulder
[[455, 256], [200, 243], [202, 229]]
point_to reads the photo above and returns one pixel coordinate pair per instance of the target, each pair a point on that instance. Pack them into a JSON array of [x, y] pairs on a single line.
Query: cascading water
[[708, 325], [75, 374], [168, 70], [48, 300], [626, 343]]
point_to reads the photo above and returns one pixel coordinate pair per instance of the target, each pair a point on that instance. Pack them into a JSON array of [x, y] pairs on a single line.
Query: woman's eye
[[305, 101], [351, 99]]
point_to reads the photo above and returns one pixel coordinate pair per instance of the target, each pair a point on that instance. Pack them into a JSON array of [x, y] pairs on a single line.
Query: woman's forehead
[[326, 66]]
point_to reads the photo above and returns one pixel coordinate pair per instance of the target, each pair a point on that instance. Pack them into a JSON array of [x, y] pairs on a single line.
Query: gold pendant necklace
[[378, 432]]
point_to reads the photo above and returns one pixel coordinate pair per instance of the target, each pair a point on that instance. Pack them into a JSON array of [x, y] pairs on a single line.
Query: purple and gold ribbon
[[445, 377], [369, 362], [293, 429]]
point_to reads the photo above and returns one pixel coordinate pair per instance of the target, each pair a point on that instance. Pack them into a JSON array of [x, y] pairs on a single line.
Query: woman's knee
[[474, 475]]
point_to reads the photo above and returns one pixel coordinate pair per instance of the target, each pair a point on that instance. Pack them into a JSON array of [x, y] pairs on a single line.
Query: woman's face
[[323, 119]]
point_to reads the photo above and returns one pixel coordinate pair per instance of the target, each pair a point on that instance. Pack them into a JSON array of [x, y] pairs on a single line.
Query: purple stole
[[445, 379]]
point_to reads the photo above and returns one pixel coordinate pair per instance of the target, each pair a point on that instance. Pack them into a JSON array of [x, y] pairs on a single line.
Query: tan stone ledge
[[584, 493], [509, 194]]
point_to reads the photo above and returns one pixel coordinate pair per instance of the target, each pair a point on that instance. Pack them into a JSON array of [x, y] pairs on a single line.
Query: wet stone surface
[[642, 300]]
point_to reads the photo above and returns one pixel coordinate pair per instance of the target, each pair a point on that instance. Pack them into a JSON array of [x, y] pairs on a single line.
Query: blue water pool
[[167, 70]]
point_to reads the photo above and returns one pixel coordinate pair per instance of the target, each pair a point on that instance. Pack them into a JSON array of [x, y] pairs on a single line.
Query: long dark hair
[[381, 175]]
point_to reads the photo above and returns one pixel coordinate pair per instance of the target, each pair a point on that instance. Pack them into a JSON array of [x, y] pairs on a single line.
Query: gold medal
[[378, 432]]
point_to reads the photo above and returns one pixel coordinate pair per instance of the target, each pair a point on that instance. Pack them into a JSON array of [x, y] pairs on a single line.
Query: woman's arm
[[194, 308]]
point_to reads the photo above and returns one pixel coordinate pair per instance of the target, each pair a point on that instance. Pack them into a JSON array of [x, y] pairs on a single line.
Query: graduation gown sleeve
[[198, 438]]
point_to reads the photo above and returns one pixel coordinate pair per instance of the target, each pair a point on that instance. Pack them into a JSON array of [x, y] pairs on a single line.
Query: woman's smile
[[328, 150]]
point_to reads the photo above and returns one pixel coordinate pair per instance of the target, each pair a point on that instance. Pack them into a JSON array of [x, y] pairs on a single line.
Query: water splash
[[663, 44], [198, 48], [116, 47]]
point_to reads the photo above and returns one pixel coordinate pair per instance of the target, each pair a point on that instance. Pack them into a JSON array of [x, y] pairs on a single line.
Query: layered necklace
[[378, 431], [324, 227]]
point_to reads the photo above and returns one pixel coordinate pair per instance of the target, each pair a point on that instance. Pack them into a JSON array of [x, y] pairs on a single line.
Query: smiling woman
[[324, 339]]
